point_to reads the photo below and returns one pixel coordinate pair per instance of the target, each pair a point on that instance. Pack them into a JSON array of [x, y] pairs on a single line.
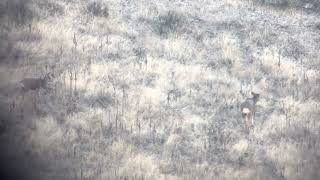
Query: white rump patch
[[245, 111]]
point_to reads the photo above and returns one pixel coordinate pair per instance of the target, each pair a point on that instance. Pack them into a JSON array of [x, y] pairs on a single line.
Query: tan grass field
[[152, 89]]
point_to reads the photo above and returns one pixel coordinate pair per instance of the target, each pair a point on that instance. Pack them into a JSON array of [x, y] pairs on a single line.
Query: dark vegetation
[[306, 5], [98, 8], [50, 8], [170, 23]]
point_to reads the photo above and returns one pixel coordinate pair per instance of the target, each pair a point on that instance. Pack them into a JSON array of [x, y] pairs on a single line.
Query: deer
[[248, 109], [32, 84]]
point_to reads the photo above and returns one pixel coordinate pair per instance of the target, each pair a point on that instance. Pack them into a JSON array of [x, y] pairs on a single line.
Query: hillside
[[152, 89]]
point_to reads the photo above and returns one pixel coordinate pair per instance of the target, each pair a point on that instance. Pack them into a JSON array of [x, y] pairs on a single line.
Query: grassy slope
[[117, 121]]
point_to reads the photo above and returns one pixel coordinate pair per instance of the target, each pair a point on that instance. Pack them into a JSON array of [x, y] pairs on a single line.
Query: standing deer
[[31, 84], [248, 109]]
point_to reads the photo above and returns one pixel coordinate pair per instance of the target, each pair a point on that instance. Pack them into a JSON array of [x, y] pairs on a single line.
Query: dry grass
[[157, 91]]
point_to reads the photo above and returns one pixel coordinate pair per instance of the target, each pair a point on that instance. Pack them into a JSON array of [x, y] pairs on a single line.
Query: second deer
[[31, 84]]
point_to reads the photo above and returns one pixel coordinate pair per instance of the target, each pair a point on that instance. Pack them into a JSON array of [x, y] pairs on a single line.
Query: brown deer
[[32, 84], [248, 109]]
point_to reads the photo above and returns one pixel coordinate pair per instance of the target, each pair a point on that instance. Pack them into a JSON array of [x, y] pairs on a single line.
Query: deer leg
[[21, 112], [244, 120], [252, 121], [35, 102], [249, 120], [246, 123], [21, 106], [12, 105]]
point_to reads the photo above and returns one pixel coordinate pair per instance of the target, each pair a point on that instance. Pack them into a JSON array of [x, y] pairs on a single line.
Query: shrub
[[2, 10], [308, 5], [317, 26], [294, 49], [51, 8], [19, 12], [275, 3], [5, 46], [97, 8], [169, 23]]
